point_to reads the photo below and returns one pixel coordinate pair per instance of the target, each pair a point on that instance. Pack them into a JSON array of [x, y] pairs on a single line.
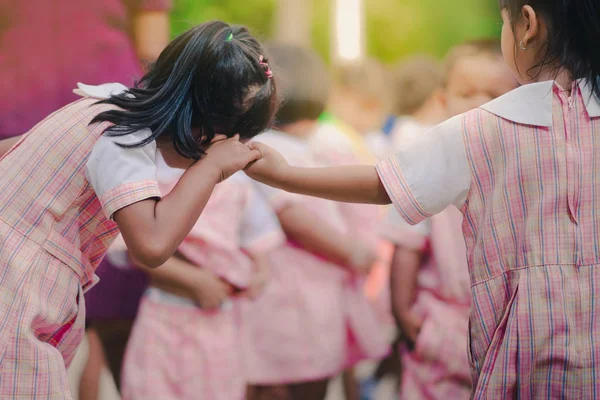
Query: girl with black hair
[[524, 169], [88, 171]]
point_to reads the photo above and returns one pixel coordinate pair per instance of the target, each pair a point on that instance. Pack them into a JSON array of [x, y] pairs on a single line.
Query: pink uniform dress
[[59, 187], [525, 171], [438, 367], [313, 320], [178, 351]]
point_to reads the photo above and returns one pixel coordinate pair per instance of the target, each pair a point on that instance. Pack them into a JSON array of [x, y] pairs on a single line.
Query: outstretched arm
[[352, 184], [421, 179]]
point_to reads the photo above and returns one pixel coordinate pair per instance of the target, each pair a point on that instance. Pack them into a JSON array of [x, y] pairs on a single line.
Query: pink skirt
[[312, 322], [181, 352], [438, 367]]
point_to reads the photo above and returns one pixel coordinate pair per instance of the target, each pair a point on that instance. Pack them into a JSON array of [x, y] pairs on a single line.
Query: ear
[[531, 25]]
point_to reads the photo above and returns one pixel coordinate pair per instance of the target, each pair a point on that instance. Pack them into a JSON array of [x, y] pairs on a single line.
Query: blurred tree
[[395, 28], [256, 14]]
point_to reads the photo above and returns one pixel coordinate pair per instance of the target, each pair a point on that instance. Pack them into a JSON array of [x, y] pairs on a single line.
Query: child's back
[[531, 230], [523, 169]]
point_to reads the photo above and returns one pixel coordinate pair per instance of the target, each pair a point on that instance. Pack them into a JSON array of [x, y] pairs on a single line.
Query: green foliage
[[256, 14], [395, 28]]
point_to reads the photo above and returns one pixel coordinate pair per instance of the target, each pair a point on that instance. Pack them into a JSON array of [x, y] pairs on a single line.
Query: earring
[[522, 46]]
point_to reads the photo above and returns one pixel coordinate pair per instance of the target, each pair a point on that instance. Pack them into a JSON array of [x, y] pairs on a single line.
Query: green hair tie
[[229, 37]]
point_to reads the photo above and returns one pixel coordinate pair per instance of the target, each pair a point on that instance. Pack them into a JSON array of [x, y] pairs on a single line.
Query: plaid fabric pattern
[[532, 242], [50, 218], [182, 352]]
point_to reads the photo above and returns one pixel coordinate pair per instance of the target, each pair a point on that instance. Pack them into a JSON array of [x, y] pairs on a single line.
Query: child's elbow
[[150, 256]]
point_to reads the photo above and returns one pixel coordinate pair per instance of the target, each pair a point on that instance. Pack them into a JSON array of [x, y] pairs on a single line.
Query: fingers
[[218, 138], [255, 154], [258, 146]]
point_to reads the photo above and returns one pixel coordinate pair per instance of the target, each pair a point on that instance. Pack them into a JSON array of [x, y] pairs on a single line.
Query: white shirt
[[436, 166]]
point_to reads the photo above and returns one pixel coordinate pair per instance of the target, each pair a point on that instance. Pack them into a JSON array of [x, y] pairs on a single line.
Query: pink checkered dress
[[53, 233], [177, 351], [532, 234]]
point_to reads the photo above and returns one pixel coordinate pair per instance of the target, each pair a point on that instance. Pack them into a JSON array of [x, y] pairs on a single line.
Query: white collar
[[100, 92], [532, 104]]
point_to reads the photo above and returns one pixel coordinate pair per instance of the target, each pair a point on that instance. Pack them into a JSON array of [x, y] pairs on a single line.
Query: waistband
[[163, 297]]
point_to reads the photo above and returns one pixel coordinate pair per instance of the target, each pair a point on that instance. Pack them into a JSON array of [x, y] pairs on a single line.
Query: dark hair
[[304, 82], [209, 80], [573, 36]]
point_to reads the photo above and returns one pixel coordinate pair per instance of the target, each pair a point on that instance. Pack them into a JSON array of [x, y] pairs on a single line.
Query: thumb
[[263, 148], [236, 137]]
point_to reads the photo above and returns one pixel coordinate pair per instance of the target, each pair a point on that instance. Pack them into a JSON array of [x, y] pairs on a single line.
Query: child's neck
[[563, 79]]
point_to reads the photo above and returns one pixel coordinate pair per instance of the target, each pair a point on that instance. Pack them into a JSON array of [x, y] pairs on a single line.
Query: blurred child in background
[[357, 109], [185, 343], [430, 281], [418, 98], [349, 133], [313, 321]]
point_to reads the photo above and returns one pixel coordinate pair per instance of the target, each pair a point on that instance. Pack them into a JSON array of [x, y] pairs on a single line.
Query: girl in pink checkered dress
[[430, 280], [524, 169], [186, 341], [88, 171]]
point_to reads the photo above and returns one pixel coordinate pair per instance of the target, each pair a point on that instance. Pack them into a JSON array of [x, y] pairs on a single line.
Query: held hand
[[230, 156], [362, 258], [210, 292], [270, 169]]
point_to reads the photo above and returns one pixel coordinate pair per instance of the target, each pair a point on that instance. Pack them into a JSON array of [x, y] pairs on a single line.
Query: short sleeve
[[396, 230], [424, 178], [260, 229], [122, 176]]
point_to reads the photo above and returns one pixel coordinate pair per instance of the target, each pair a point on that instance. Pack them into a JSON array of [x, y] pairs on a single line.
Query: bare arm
[[7, 144], [175, 273], [351, 184], [405, 268], [182, 278], [299, 224], [153, 229]]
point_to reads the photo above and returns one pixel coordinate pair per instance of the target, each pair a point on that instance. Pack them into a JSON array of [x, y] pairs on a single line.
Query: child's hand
[[269, 168], [210, 291], [362, 258], [257, 283], [230, 156], [410, 326]]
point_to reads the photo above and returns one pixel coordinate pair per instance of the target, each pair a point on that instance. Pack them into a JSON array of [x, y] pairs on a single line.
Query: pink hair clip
[[266, 67]]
